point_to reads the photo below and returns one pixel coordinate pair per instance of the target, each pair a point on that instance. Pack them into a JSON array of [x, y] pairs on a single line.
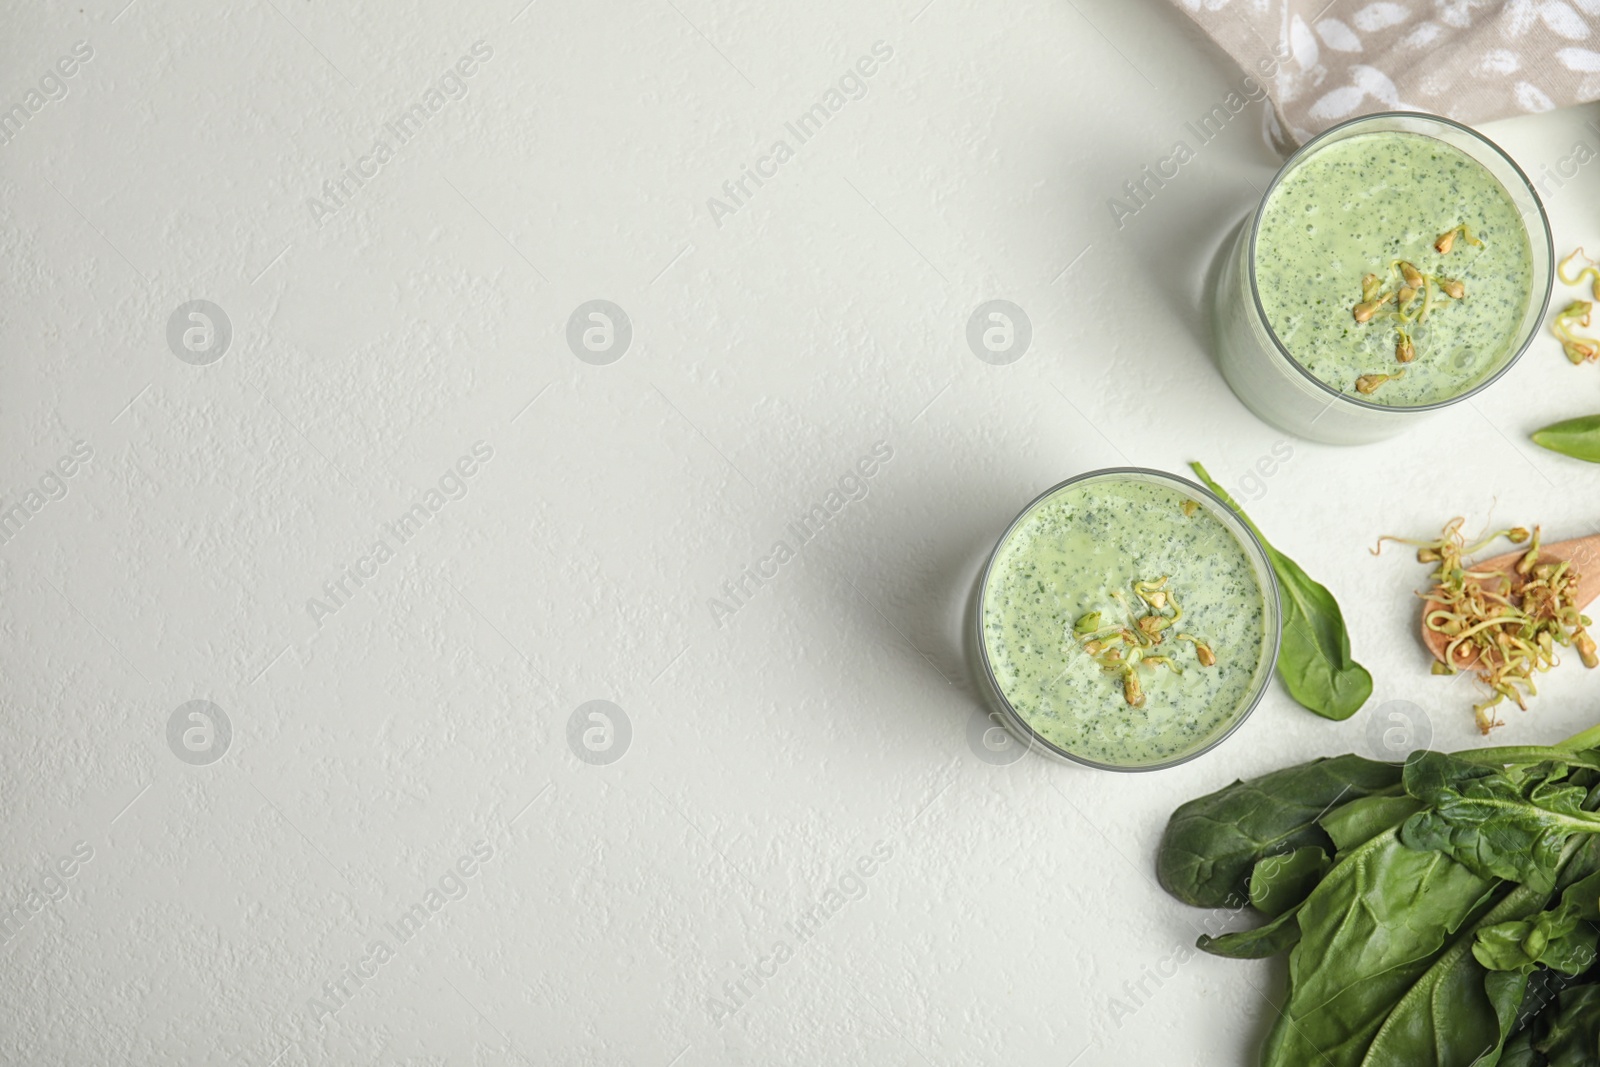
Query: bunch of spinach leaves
[[1442, 912]]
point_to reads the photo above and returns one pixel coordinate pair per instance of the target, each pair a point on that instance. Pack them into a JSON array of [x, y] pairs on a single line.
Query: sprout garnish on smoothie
[[1123, 649], [1406, 298]]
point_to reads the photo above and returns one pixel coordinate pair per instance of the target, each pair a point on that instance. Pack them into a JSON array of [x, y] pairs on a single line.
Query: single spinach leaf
[[1455, 1016], [1571, 1036], [1544, 986], [1315, 662], [1368, 932], [1211, 844], [1273, 939], [1279, 883], [1578, 438], [1499, 824], [1519, 1053], [1505, 992], [1314, 656], [1551, 940], [1562, 938], [1361, 820]]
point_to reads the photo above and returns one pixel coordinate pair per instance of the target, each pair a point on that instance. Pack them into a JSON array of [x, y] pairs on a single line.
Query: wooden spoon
[[1584, 555]]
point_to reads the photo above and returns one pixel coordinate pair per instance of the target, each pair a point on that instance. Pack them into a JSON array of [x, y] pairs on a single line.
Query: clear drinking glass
[[1267, 378], [1016, 723]]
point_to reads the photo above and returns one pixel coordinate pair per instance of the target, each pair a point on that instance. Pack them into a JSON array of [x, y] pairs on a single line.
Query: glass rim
[[1544, 222], [1242, 532]]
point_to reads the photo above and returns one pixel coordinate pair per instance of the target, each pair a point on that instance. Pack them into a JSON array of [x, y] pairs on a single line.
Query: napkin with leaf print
[[1472, 60]]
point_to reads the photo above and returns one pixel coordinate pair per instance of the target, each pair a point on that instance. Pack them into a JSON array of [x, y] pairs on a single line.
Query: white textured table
[[785, 850]]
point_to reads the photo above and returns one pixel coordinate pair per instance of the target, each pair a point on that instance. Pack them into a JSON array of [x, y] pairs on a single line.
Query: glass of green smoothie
[[1399, 263], [1127, 620]]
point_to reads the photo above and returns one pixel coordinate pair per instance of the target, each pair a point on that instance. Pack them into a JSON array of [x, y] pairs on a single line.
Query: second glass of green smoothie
[[1399, 263]]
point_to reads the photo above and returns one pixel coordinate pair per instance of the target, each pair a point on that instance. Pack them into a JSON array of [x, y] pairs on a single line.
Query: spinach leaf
[[1212, 844], [1497, 824], [1452, 1010], [1361, 820], [1520, 1053], [1568, 1035], [1314, 657], [1455, 925], [1368, 932], [1544, 986], [1315, 662], [1273, 939], [1457, 1012], [1279, 883], [1551, 939], [1562, 938], [1505, 992], [1578, 438], [1456, 1016], [1282, 882]]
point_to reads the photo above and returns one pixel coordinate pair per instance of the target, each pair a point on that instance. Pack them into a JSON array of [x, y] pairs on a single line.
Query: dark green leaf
[[1571, 1036], [1415, 951], [1562, 937], [1498, 824], [1314, 656], [1544, 986], [1585, 861], [1505, 992], [1279, 883], [1361, 820], [1519, 1053], [1369, 932], [1273, 939], [1212, 844], [1456, 1013], [1314, 659], [1551, 940], [1578, 438]]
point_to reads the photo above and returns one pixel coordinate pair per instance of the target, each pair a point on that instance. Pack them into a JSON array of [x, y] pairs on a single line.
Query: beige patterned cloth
[[1472, 60]]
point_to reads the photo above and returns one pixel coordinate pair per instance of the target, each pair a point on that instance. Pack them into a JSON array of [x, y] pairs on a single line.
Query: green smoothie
[[1115, 578], [1341, 228]]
